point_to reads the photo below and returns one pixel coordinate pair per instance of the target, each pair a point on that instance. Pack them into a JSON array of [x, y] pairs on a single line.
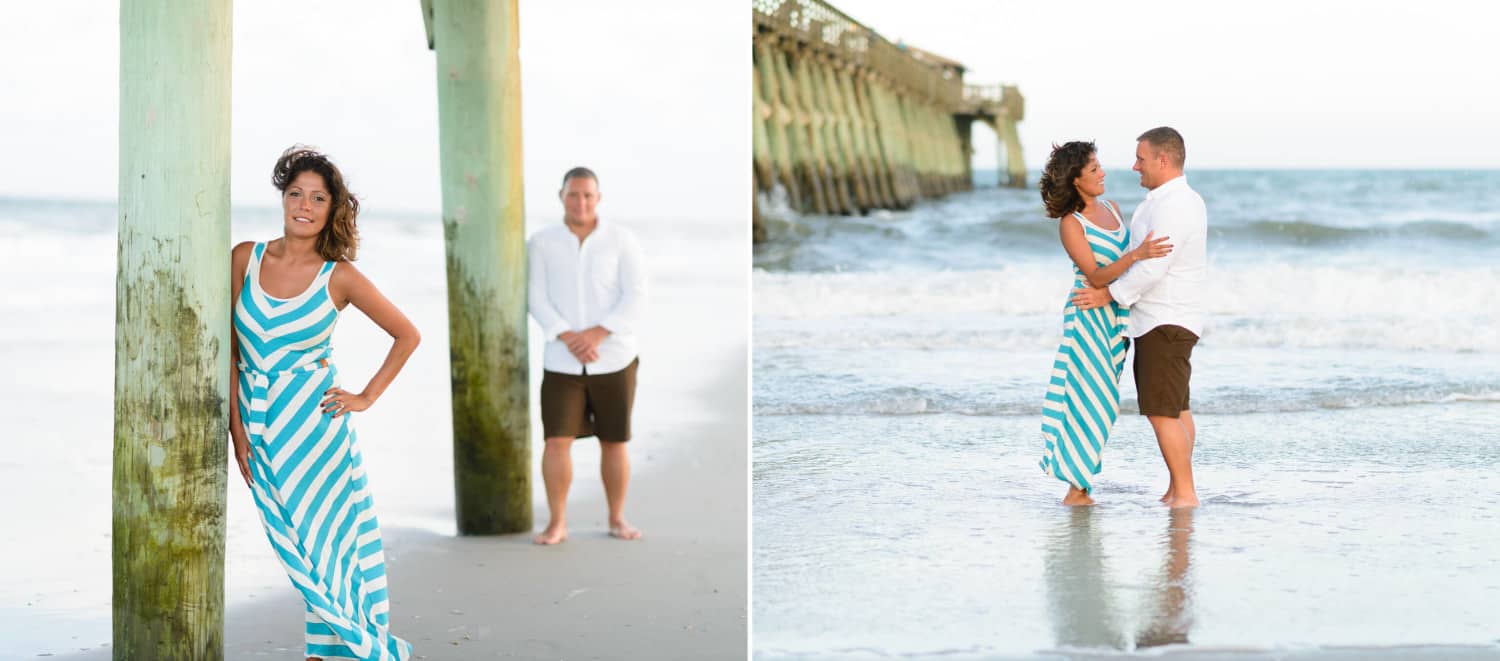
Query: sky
[[656, 101], [1265, 84], [656, 96]]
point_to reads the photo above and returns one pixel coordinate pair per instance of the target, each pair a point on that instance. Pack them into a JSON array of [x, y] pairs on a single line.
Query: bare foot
[[1167, 497], [622, 530], [1077, 496], [1190, 500], [552, 535]]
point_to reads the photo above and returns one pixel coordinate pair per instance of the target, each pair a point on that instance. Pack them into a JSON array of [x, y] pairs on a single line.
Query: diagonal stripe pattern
[[1083, 394], [307, 476]]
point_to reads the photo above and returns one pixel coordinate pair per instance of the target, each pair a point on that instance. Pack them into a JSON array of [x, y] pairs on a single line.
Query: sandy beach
[[678, 593]]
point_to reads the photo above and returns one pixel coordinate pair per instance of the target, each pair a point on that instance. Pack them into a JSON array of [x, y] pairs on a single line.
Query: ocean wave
[[1270, 305], [1375, 292], [908, 401], [1312, 233]]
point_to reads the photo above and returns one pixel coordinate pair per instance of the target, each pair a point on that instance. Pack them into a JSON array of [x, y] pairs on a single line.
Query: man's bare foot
[[1077, 496], [623, 530], [552, 535], [1183, 501]]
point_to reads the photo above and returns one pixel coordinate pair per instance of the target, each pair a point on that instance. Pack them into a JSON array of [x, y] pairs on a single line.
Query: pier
[[846, 121]]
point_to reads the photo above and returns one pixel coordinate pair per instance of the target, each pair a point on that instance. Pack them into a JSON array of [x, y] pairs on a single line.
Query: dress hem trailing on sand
[[1083, 394], [307, 475]]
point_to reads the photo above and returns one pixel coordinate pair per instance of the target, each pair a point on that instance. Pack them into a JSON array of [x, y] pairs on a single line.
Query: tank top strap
[[325, 272], [252, 267]]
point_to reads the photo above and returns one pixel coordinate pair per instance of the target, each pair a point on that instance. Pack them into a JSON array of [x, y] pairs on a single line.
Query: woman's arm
[[239, 258], [353, 288], [1075, 241]]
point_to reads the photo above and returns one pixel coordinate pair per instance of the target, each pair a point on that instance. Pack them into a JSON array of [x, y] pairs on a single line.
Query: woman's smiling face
[[1090, 180], [305, 205]]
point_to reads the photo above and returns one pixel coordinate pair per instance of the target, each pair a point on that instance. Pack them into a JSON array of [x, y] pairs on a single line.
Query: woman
[[291, 430], [1083, 396]]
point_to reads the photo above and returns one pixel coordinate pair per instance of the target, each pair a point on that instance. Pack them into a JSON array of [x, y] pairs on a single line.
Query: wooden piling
[[858, 82], [799, 134], [479, 130], [777, 121], [825, 121], [171, 403], [1012, 111], [869, 123]]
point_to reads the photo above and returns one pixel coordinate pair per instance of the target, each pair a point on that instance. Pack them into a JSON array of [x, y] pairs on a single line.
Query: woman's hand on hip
[[337, 401]]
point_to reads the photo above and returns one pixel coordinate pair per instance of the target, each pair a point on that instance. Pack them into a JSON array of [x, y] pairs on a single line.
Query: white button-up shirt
[[575, 286], [1167, 290]]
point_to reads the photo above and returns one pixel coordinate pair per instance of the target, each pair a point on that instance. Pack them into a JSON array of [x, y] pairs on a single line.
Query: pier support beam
[[171, 404], [479, 125]]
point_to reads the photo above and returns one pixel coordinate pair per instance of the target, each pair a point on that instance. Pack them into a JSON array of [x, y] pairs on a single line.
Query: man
[[1165, 298], [587, 285]]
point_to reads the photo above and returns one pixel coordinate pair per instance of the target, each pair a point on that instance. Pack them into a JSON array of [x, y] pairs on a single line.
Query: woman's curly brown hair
[[1059, 194], [339, 240]]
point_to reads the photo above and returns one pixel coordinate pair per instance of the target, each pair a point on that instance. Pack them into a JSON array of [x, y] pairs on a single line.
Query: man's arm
[[626, 313], [552, 322]]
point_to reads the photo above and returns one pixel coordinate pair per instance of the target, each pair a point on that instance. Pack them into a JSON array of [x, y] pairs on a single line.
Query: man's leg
[[614, 468], [613, 396], [1172, 438], [1191, 430], [1163, 370], [557, 474]]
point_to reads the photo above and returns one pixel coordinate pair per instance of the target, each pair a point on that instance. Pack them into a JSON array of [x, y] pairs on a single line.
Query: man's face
[[579, 197], [1150, 163]]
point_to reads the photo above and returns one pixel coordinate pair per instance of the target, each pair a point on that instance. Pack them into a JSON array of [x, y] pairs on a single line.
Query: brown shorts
[[580, 405], [1162, 369]]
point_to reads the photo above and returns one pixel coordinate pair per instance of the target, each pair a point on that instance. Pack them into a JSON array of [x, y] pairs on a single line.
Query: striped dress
[[1083, 395], [307, 476]]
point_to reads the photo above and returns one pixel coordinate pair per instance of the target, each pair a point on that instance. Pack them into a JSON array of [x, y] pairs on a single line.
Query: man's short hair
[[1167, 139], [580, 171]]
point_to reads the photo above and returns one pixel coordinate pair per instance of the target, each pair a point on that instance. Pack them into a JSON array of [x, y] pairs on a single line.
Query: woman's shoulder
[[239, 256]]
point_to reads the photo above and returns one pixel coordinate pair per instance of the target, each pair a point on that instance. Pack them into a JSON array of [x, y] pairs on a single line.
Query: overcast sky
[[1271, 83], [655, 95], [655, 99]]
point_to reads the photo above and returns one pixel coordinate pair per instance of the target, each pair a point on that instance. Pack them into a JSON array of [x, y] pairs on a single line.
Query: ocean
[[57, 346], [1346, 390]]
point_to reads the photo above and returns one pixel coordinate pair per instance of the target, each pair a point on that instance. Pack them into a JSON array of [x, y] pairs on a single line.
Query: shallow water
[[1345, 392]]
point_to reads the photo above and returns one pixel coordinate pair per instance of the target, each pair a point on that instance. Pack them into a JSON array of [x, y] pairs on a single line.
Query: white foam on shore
[[1447, 309]]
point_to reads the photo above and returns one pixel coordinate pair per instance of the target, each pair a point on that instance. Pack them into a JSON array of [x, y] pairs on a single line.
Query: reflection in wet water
[[1078, 600], [1082, 599], [1170, 615]]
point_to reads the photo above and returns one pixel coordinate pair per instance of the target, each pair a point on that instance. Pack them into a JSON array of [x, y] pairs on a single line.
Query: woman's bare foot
[[1077, 496], [1167, 497], [623, 530], [554, 534]]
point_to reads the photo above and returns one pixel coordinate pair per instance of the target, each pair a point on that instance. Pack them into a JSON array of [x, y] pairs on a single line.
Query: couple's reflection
[[1082, 603]]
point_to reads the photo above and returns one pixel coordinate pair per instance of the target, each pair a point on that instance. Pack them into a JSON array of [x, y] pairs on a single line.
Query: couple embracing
[[1138, 283]]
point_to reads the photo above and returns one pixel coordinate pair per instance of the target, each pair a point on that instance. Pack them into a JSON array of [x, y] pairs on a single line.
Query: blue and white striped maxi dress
[[307, 476], [1083, 395]]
